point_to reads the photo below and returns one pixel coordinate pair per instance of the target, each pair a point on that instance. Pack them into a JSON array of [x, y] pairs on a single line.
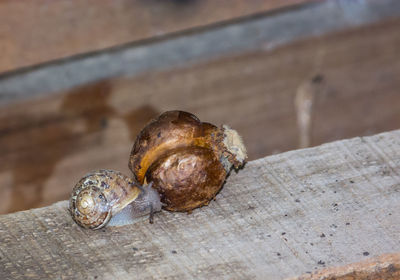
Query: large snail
[[183, 161], [186, 160]]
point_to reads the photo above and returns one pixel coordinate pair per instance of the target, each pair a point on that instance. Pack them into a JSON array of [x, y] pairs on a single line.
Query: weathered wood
[[261, 33], [47, 144], [57, 29], [281, 216], [386, 267]]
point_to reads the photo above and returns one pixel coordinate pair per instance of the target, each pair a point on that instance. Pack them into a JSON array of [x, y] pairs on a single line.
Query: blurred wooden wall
[[45, 30], [320, 84]]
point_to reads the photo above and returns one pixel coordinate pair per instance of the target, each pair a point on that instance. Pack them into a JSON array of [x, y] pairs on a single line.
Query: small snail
[[186, 160], [107, 196]]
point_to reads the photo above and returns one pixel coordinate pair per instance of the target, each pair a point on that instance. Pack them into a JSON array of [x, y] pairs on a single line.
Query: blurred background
[[79, 79]]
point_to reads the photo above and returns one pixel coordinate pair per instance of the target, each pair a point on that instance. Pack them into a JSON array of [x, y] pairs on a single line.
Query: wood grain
[[47, 144], [386, 267], [263, 33], [281, 216], [57, 29]]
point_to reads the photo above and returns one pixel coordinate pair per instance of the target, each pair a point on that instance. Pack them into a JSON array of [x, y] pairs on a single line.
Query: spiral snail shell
[[186, 160], [106, 195]]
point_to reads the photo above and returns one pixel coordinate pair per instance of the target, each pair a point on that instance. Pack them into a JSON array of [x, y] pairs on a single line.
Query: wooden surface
[[57, 29], [385, 267], [282, 216], [262, 33], [47, 144]]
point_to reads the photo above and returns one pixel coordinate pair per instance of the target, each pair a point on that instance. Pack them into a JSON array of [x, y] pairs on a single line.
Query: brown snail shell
[[186, 160], [99, 196]]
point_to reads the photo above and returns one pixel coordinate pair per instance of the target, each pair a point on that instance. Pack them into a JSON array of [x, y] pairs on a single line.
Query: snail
[[186, 160], [109, 197]]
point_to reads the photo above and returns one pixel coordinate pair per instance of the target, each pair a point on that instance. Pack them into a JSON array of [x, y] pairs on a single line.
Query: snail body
[[106, 195], [186, 160]]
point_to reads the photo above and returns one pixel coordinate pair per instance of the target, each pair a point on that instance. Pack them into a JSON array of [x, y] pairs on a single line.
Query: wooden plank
[[281, 216], [385, 267], [351, 76], [260, 33], [57, 29]]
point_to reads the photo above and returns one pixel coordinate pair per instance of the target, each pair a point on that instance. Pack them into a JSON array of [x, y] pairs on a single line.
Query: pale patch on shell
[[234, 144]]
